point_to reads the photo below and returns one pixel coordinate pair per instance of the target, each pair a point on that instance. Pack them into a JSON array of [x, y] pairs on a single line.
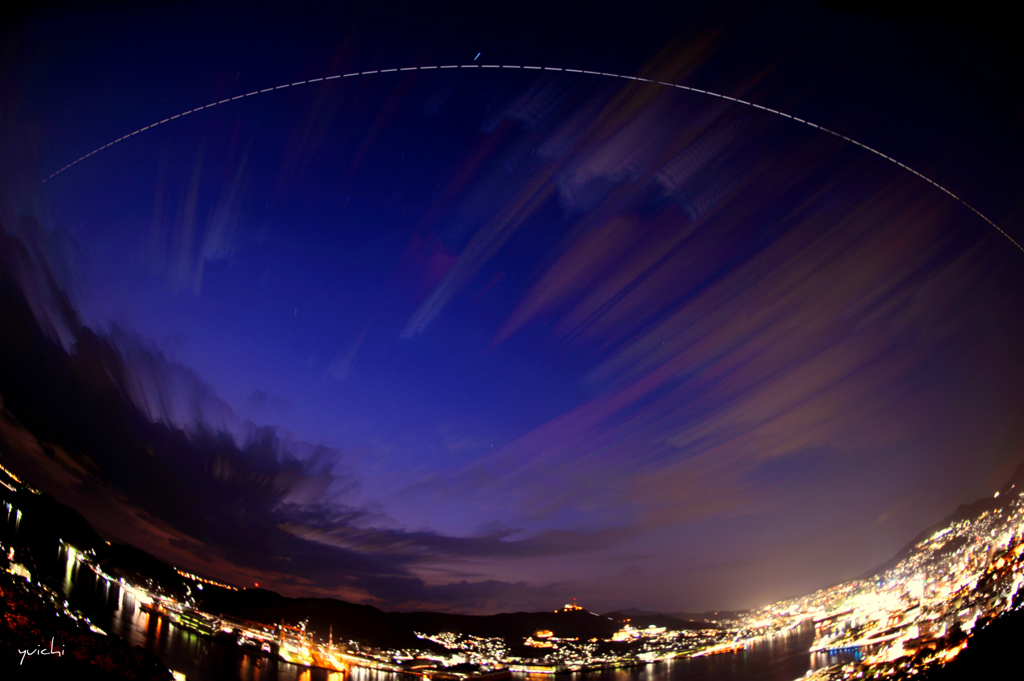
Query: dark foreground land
[[992, 653], [38, 640]]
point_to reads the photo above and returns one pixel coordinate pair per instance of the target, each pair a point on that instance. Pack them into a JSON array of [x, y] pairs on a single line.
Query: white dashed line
[[568, 70]]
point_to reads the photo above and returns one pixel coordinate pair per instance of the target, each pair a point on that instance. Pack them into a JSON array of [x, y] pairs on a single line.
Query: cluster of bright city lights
[[918, 614]]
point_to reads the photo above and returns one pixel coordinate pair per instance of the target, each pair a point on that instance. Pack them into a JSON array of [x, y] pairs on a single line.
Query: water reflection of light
[[247, 667], [70, 564], [823, 659]]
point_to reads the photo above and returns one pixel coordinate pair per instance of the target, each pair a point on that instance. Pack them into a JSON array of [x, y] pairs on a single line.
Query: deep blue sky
[[535, 335]]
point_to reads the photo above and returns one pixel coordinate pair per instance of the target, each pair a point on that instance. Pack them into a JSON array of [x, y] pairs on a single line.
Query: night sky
[[489, 339]]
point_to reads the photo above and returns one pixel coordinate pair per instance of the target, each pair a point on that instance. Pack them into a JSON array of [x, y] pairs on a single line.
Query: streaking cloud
[[607, 312]]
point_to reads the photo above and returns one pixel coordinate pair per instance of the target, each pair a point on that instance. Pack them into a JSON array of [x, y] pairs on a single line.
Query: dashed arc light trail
[[663, 83]]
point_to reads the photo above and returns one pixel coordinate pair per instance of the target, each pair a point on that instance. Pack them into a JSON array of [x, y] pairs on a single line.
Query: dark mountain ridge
[[969, 511], [640, 619]]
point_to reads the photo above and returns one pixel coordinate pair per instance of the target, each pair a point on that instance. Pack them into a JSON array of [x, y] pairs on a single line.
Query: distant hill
[[963, 512], [641, 619], [45, 521], [710, 616], [517, 625], [371, 626], [348, 621]]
